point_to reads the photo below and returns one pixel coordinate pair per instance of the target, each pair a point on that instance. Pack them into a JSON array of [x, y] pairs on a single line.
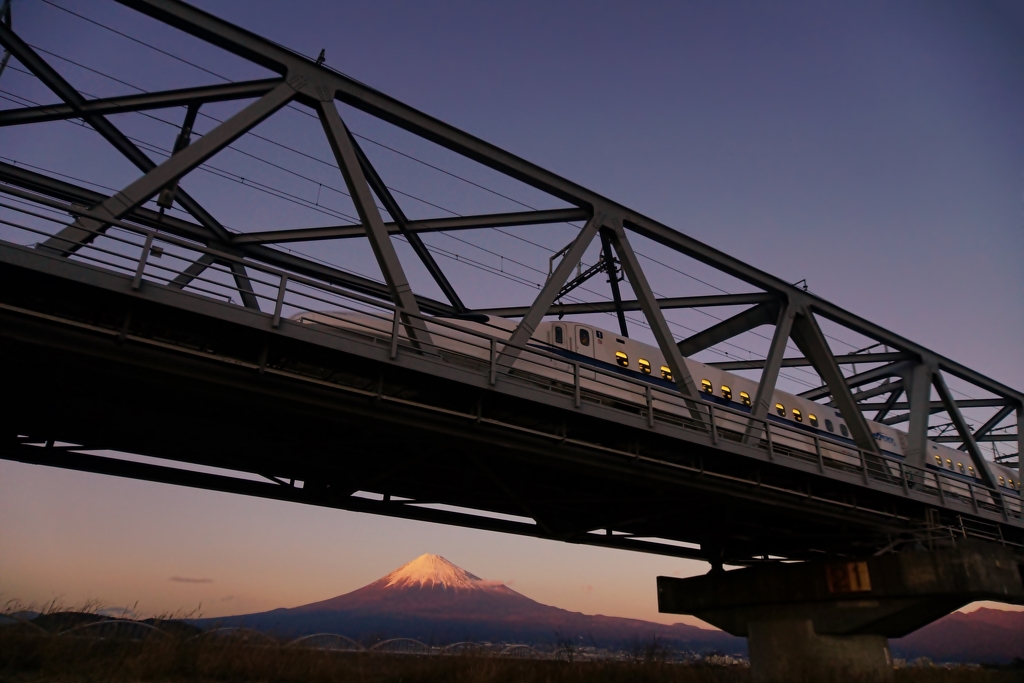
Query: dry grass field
[[29, 656]]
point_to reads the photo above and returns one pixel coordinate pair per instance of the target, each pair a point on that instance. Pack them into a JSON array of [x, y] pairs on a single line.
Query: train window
[[622, 359], [813, 419], [706, 386], [843, 429], [744, 398], [828, 425], [666, 372], [645, 366], [780, 409], [559, 335], [726, 392], [797, 415], [584, 337]]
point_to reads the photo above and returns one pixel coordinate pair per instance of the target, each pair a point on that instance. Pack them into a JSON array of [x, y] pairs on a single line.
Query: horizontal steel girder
[[67, 192], [634, 305], [141, 102], [498, 220], [846, 359], [320, 79]]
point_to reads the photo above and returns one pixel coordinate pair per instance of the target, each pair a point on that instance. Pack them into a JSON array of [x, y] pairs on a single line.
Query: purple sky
[[874, 149]]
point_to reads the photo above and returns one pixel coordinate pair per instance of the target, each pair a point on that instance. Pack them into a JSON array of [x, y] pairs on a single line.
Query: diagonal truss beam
[[387, 258], [333, 232], [281, 60], [889, 402], [981, 432], [811, 342], [762, 314], [528, 325], [142, 190], [140, 102], [770, 375], [655, 317], [66, 192], [71, 97], [45, 73], [881, 389], [392, 207], [858, 380], [964, 431]]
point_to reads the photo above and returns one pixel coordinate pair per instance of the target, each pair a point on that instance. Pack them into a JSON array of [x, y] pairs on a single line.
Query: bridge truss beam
[[796, 314]]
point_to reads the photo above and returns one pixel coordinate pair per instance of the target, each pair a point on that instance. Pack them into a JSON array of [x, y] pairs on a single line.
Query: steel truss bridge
[[117, 338]]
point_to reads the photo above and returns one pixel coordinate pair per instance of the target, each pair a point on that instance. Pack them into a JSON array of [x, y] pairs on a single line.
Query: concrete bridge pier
[[831, 621]]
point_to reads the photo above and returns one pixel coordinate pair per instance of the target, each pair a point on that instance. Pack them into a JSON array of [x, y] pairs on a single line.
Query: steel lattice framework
[[905, 368]]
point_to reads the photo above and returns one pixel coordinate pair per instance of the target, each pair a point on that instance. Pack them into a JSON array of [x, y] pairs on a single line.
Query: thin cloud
[[189, 579]]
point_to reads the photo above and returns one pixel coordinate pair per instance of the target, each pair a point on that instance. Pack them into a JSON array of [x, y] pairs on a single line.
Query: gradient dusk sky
[[875, 149]]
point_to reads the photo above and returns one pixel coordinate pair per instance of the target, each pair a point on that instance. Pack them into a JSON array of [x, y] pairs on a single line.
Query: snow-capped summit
[[433, 571], [433, 600]]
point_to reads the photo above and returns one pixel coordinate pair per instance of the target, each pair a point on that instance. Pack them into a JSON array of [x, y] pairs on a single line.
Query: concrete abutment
[[831, 621]]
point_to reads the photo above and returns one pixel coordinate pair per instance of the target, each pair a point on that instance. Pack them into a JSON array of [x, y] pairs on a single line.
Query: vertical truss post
[[526, 327], [919, 380], [415, 241], [964, 431], [613, 280], [387, 258], [656, 319], [770, 374], [811, 342]]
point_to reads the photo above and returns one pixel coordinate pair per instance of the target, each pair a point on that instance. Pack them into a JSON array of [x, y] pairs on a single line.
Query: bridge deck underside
[[125, 373]]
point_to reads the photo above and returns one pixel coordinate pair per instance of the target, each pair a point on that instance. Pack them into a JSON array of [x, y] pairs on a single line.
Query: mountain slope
[[985, 635], [433, 600]]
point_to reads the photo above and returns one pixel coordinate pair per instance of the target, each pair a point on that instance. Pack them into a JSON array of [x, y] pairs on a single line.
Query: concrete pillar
[[791, 652], [831, 621]]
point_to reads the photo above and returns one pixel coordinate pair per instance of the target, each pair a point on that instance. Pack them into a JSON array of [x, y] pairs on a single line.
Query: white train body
[[640, 364]]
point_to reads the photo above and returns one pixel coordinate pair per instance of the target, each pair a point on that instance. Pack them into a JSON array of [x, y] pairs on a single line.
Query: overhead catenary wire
[[272, 191], [462, 259]]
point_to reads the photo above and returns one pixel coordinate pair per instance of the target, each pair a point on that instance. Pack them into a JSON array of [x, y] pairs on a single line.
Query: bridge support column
[[831, 621]]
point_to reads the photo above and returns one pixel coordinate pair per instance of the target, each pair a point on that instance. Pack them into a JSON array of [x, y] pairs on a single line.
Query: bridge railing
[[152, 256]]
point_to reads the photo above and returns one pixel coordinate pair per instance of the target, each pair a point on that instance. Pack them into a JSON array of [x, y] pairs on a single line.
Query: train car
[[618, 369]]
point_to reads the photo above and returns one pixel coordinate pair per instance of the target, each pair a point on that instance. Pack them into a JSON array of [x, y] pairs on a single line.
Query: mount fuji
[[434, 601]]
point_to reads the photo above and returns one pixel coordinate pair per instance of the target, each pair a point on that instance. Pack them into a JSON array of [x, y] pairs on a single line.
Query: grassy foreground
[[27, 656]]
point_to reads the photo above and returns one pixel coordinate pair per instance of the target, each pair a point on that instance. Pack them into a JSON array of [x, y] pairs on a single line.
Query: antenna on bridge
[[322, 58]]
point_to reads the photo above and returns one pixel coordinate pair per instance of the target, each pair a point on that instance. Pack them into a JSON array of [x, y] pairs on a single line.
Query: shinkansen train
[[810, 426]]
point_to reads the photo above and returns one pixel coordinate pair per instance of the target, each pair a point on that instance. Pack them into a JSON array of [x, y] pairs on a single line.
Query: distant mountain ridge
[[434, 601]]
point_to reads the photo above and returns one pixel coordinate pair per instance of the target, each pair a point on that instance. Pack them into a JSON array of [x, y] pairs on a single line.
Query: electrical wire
[[294, 199]]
